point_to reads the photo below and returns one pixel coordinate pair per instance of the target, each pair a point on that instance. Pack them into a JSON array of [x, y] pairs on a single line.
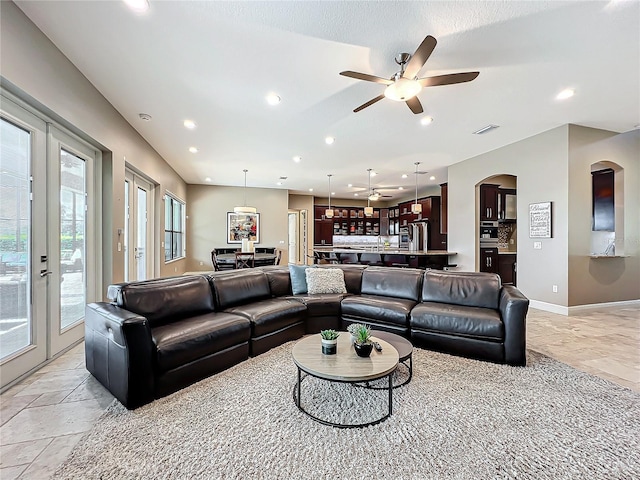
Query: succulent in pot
[[353, 329], [329, 341], [363, 343]]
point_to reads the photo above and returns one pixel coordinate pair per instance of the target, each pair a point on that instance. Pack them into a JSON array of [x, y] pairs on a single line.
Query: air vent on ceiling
[[486, 129]]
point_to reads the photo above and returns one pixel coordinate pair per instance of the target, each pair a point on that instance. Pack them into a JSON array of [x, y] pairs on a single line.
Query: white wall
[[303, 202], [46, 77]]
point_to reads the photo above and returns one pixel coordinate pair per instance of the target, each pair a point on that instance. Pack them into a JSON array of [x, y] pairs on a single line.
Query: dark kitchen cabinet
[[489, 202], [507, 268], [444, 201], [489, 260]]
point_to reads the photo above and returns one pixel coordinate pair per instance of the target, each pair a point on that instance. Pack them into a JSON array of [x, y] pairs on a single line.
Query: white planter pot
[[329, 347]]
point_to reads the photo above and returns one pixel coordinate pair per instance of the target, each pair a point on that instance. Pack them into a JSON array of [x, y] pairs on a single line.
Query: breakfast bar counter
[[435, 259]]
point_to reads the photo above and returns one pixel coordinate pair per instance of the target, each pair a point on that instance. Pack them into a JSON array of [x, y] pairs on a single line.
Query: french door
[[138, 234], [47, 239]]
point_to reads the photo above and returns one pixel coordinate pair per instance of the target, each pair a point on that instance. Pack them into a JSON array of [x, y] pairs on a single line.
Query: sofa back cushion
[[279, 280], [472, 289], [164, 300], [240, 287], [392, 282], [352, 276]]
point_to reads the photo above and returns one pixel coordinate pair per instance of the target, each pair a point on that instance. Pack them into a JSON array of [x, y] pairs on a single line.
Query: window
[[174, 216]]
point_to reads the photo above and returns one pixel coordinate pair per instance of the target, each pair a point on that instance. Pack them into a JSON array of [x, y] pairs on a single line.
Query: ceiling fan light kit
[[405, 85], [245, 210]]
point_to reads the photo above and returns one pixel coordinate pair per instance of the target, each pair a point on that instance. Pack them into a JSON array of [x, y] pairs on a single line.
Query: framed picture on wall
[[240, 227], [540, 220]]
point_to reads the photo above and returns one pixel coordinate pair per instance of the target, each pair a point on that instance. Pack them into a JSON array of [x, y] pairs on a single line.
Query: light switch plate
[[537, 245]]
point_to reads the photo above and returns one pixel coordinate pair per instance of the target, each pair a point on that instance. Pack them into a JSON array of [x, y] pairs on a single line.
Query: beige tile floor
[[44, 416]]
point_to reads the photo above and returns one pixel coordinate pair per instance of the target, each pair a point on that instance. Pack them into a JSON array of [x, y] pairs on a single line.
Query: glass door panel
[[15, 239], [141, 237], [72, 239]]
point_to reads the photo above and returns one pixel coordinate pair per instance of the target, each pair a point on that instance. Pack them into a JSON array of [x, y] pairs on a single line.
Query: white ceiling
[[214, 62]]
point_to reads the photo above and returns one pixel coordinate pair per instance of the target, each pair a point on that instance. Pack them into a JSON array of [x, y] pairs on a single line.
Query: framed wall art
[[241, 227], [540, 220]]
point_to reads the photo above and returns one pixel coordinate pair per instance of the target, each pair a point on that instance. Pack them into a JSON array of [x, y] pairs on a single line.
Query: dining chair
[[214, 261], [245, 260], [276, 261]]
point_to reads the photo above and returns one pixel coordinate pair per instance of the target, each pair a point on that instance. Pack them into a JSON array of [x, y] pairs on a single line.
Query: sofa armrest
[[513, 309], [120, 352]]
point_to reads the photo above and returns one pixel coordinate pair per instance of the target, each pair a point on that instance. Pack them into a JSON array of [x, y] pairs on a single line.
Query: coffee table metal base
[[296, 397], [403, 362]]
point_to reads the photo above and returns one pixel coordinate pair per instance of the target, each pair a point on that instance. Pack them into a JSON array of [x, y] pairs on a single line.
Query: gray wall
[[38, 69], [555, 166], [605, 279], [207, 207]]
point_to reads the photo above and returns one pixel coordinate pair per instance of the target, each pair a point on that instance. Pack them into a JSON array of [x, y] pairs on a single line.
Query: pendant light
[[245, 210], [328, 213], [368, 210], [416, 208]]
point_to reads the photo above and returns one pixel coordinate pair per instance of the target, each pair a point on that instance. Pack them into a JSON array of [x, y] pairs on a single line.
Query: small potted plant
[[329, 341], [363, 345], [353, 329]]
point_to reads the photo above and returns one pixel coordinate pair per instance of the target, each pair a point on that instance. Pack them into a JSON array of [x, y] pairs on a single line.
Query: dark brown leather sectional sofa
[[160, 335]]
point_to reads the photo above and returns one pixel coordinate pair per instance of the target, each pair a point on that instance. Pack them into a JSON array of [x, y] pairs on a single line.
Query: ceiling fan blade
[[366, 77], [414, 104], [418, 59], [369, 103], [448, 79]]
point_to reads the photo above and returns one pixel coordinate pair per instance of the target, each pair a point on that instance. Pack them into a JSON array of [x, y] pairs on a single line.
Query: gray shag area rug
[[456, 419]]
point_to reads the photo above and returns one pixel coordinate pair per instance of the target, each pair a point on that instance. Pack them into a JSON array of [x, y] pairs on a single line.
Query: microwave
[[488, 234]]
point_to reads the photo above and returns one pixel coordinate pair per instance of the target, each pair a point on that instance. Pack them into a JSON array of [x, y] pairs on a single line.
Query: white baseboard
[[568, 311]]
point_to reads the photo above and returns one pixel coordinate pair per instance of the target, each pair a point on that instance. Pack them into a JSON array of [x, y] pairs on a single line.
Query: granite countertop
[[507, 252], [382, 252]]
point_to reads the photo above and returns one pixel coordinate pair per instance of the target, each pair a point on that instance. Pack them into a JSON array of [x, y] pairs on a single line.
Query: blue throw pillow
[[298, 278]]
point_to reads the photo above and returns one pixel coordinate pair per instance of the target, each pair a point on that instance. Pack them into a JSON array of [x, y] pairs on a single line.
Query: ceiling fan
[[376, 195], [404, 86]]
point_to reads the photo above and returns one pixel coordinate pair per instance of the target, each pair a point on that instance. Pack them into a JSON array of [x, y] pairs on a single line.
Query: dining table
[[260, 258]]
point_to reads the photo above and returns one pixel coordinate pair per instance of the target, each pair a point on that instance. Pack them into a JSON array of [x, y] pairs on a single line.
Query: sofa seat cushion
[[377, 308], [184, 341], [271, 315], [473, 322], [322, 304]]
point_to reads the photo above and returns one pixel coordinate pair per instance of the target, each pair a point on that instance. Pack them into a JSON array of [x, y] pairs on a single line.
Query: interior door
[[293, 237]]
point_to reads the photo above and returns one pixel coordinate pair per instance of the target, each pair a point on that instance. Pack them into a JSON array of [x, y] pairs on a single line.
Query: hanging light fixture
[[245, 210], [328, 213], [368, 210], [416, 208]]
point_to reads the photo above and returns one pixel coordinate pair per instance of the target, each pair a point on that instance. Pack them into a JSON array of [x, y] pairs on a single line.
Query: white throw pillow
[[325, 280]]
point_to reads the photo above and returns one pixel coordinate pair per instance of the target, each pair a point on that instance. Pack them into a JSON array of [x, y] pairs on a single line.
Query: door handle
[[44, 273]]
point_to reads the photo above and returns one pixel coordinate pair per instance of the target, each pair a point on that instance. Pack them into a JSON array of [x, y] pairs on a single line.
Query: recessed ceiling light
[[372, 173], [333, 193], [400, 188], [350, 185], [329, 140], [273, 99], [145, 116], [138, 6], [193, 149], [355, 195], [311, 189], [432, 177], [404, 175], [208, 179], [190, 124], [297, 159], [564, 94], [426, 120]]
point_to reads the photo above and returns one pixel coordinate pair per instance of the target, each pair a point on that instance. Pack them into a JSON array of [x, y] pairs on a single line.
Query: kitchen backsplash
[[506, 233]]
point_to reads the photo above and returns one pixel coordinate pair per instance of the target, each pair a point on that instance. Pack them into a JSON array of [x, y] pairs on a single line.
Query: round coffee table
[[345, 366]]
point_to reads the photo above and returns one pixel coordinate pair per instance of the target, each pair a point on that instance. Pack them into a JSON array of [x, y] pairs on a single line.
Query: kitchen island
[[435, 259]]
